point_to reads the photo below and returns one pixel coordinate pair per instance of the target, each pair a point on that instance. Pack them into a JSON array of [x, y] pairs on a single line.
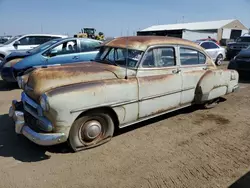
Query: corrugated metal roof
[[191, 26]]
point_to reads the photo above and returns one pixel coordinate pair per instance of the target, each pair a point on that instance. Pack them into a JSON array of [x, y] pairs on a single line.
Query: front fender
[[68, 102]]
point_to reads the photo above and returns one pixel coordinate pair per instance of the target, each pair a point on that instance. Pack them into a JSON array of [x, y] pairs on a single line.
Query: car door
[[65, 52], [88, 49], [159, 81], [193, 66]]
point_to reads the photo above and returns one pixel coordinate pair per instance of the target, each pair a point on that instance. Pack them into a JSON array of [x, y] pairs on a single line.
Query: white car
[[25, 42], [216, 52]]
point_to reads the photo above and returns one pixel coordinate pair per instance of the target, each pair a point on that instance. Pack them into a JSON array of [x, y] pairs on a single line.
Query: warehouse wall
[[195, 35]]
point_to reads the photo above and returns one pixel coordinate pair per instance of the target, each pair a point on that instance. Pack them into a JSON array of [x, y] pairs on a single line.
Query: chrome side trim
[[153, 116], [116, 104]]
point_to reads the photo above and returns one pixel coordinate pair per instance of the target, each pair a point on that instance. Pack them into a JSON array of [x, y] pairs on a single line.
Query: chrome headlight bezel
[[233, 75], [44, 102]]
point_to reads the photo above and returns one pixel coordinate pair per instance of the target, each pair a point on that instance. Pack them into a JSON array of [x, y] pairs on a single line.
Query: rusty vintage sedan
[[132, 79]]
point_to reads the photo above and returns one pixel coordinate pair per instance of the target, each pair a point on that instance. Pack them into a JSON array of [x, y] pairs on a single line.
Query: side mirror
[[16, 43], [53, 52]]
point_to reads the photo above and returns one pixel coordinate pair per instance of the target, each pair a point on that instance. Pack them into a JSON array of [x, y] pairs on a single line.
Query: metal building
[[220, 30]]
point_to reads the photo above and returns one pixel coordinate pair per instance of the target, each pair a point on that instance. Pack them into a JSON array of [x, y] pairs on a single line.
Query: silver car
[[216, 52]]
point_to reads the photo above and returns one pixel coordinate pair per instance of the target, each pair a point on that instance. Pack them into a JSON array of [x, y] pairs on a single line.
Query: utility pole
[[41, 28]]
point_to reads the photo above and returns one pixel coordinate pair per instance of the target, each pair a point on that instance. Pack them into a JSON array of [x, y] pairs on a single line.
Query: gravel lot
[[188, 148]]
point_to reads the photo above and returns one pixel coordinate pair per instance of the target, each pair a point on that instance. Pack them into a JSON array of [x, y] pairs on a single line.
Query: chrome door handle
[[205, 68], [176, 71], [75, 57]]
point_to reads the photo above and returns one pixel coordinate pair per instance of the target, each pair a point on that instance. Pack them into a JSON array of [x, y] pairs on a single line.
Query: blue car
[[55, 52]]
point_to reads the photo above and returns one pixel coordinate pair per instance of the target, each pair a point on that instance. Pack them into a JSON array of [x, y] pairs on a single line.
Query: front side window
[[191, 57], [29, 40], [159, 57], [67, 47], [119, 56], [42, 39], [12, 40], [87, 46]]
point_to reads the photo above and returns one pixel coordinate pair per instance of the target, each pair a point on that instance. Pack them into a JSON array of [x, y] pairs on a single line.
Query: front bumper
[[16, 112], [7, 74]]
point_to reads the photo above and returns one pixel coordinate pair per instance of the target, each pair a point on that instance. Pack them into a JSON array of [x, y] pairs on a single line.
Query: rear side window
[[87, 46], [34, 40], [191, 57], [42, 39]]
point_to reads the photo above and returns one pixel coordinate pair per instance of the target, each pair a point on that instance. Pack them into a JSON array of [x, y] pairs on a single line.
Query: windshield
[[243, 39], [119, 56], [43, 46], [12, 39]]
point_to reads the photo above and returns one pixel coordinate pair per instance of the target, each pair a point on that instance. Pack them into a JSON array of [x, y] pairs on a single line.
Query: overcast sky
[[113, 17]]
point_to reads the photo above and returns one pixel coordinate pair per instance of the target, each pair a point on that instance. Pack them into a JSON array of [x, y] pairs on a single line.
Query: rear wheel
[[91, 130], [219, 60]]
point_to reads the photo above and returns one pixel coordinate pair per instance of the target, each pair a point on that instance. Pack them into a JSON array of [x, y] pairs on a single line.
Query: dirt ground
[[188, 148]]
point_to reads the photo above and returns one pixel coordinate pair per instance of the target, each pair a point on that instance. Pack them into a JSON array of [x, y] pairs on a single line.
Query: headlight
[[44, 102], [20, 82]]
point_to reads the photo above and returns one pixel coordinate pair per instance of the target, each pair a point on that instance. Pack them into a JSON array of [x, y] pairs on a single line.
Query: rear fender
[[214, 84]]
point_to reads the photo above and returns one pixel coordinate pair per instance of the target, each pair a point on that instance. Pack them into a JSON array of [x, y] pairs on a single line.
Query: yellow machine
[[90, 33]]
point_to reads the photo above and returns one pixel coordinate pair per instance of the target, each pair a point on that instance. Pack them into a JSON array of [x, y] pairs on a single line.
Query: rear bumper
[[21, 127], [7, 74], [236, 88]]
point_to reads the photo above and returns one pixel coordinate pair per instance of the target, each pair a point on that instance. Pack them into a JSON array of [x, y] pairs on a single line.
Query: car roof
[[82, 39], [42, 34], [143, 42]]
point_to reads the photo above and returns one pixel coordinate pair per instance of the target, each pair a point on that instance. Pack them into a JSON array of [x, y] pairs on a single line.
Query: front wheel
[[211, 104], [1, 60], [91, 130], [219, 60]]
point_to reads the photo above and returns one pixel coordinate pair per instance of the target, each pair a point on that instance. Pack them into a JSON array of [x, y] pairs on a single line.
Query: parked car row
[[51, 53], [131, 79], [24, 43]]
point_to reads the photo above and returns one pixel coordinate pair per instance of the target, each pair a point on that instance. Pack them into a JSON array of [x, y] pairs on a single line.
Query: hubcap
[[92, 130]]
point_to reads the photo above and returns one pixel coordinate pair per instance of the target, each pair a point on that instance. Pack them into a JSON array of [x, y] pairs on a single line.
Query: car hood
[[245, 53], [45, 79], [239, 43], [19, 54]]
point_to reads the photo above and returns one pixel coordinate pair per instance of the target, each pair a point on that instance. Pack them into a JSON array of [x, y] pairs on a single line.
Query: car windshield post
[[11, 40]]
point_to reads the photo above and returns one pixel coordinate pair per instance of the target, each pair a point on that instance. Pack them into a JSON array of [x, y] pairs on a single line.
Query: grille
[[32, 122]]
